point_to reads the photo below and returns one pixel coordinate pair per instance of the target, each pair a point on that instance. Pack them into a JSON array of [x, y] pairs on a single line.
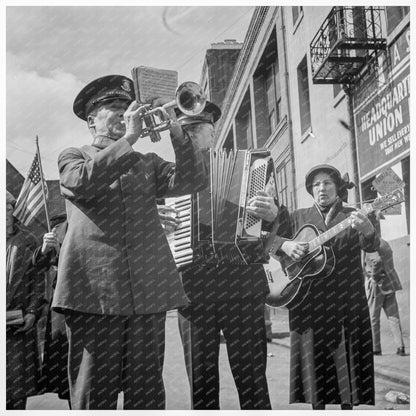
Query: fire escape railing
[[345, 42]]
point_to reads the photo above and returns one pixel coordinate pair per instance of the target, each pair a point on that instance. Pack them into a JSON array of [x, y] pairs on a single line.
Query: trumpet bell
[[190, 98]]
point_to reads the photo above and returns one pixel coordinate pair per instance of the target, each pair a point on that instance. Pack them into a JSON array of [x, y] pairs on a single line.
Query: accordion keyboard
[[258, 174], [180, 241]]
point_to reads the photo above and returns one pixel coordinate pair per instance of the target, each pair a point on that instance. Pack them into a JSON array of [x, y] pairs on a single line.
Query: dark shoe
[[376, 352], [400, 351]]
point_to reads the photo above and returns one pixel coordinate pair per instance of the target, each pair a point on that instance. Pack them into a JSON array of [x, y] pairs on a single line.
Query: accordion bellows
[[215, 227]]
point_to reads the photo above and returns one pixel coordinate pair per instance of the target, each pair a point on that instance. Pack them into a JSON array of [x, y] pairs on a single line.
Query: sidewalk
[[389, 365], [278, 374]]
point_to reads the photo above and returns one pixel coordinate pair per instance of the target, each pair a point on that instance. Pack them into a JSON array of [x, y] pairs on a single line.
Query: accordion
[[214, 225]]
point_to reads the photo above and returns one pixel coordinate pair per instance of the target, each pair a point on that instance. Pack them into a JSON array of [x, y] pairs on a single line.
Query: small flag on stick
[[32, 195]]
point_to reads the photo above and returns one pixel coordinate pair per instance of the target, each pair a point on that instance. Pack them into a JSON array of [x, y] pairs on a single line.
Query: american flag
[[30, 200]]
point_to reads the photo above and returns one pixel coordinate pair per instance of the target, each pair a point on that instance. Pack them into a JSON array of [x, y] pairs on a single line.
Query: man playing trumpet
[[116, 276]]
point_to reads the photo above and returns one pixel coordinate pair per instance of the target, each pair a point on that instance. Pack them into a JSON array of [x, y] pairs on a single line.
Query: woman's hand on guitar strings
[[262, 206], [361, 223], [295, 250]]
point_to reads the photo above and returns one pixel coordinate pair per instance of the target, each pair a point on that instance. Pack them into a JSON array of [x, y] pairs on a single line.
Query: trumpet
[[189, 98]]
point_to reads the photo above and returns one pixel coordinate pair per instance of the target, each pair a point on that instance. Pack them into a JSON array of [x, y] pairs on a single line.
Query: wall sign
[[382, 122]]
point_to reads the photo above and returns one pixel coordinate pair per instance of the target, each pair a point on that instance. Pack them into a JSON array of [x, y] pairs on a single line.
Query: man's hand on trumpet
[[174, 127], [134, 122]]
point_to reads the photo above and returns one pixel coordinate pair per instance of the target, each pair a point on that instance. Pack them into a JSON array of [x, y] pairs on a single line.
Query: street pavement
[[392, 373]]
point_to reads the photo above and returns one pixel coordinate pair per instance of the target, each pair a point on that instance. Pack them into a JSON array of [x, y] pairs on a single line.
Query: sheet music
[[153, 82]]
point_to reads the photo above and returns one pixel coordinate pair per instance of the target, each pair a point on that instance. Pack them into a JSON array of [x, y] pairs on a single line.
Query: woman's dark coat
[[331, 345], [24, 290]]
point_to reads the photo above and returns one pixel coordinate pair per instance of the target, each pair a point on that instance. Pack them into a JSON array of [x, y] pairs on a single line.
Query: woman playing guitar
[[331, 346]]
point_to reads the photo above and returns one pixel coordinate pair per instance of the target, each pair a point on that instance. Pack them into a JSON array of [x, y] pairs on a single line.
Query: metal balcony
[[344, 44]]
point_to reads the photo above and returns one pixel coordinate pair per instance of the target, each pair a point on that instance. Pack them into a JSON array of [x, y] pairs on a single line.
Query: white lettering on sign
[[384, 106], [396, 55], [400, 137], [387, 125], [386, 115]]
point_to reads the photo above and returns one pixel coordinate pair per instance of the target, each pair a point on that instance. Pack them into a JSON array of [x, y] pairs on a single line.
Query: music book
[[152, 83], [14, 317]]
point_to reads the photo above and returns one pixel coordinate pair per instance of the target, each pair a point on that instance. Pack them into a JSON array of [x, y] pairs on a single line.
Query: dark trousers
[[243, 326], [108, 354]]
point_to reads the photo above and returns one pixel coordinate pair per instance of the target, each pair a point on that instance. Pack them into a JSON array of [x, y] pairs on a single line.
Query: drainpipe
[[289, 112]]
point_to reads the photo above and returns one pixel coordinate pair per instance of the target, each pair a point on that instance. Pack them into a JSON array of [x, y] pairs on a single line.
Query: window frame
[[299, 17], [391, 31], [302, 69]]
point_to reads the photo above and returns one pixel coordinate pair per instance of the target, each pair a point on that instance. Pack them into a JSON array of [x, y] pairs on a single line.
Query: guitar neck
[[327, 235], [381, 203], [385, 201]]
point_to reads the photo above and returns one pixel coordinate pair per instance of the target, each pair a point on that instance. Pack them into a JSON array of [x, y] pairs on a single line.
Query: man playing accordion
[[227, 298]]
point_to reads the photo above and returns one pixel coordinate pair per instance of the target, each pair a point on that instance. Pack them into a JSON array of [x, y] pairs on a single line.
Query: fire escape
[[348, 39]]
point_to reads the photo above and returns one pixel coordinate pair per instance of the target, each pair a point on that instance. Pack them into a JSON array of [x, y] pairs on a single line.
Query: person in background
[[331, 357], [116, 275], [54, 370], [227, 298], [382, 282], [24, 300]]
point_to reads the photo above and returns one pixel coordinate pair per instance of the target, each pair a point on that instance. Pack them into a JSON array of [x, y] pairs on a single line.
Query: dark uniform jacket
[[115, 259]]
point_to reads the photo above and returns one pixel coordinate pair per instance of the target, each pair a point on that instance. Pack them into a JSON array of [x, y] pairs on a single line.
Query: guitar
[[290, 286]]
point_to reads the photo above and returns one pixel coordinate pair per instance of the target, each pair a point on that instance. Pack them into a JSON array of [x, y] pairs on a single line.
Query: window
[[249, 131], [360, 22], [283, 188], [333, 28], [304, 102], [296, 13], [243, 125], [337, 89], [273, 96], [229, 141], [205, 88], [395, 15], [267, 92]]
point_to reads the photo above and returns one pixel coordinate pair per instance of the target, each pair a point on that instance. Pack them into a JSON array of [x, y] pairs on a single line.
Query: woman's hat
[[342, 182], [333, 172]]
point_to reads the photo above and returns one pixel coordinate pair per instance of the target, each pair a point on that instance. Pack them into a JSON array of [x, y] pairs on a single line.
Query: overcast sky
[[52, 52]]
